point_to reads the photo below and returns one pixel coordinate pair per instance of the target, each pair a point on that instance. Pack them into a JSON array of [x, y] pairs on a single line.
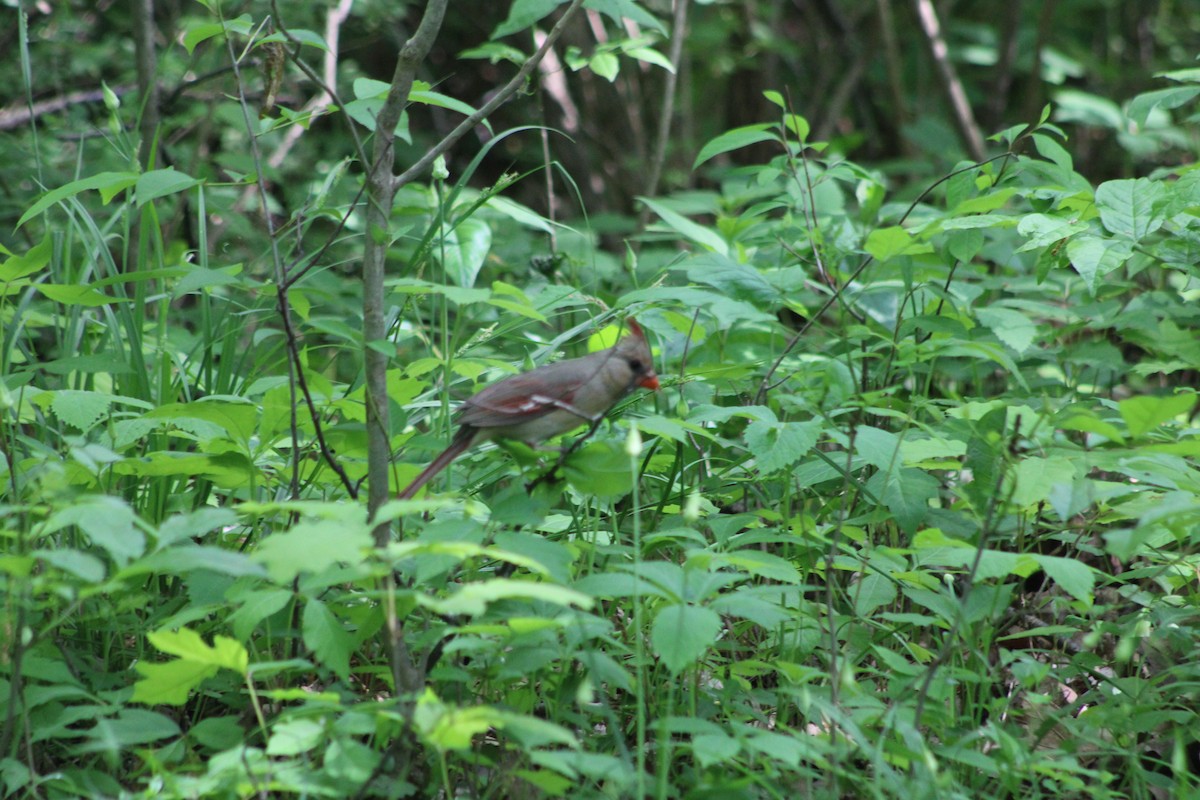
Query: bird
[[549, 400]]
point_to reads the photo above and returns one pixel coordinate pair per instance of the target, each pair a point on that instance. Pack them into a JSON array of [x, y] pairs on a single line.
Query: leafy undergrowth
[[915, 514]]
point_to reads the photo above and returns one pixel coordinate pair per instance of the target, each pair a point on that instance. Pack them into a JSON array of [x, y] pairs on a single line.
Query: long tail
[[460, 442]]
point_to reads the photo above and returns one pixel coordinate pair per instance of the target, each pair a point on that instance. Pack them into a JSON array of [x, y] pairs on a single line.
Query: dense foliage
[[916, 512]]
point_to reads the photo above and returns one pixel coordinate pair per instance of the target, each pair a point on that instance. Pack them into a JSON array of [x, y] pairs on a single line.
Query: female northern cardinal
[[552, 399]]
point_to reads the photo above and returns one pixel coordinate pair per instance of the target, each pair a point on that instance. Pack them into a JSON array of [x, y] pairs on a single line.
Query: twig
[[963, 116]]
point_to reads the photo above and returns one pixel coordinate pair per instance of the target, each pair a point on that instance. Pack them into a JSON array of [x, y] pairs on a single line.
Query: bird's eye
[[636, 365]]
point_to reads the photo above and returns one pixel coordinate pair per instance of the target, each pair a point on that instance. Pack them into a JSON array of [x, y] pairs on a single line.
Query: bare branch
[[964, 118]]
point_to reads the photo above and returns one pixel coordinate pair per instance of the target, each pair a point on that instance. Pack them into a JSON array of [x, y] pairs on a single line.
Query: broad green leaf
[[237, 419], [681, 634], [34, 260], [872, 592], [711, 749], [781, 444], [735, 140], [82, 565], [160, 183], [523, 14], [1139, 108], [473, 598], [224, 653], [78, 295], [108, 522], [254, 607], [886, 243], [620, 10], [731, 278], [82, 410], [1041, 230], [877, 447], [109, 183], [1094, 257], [312, 546], [601, 469], [463, 249], [130, 727], [1144, 413], [1036, 477], [449, 728], [1010, 326], [291, 737], [693, 232], [1131, 208], [327, 638], [1075, 577], [905, 492], [605, 65]]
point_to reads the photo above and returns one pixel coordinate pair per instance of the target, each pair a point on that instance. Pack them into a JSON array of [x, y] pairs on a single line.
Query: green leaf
[[605, 65], [160, 183], [1041, 230], [877, 447], [474, 598], [1144, 413], [886, 243], [601, 469], [130, 727], [699, 234], [312, 546], [1094, 257], [619, 10], [735, 140], [463, 249], [34, 260], [778, 445], [1075, 577], [523, 14], [1139, 108], [328, 640], [731, 278], [78, 295], [81, 409], [109, 184], [872, 592], [1011, 327], [711, 749], [1036, 477], [237, 419], [171, 683], [291, 737], [224, 653], [1131, 208], [108, 522], [906, 492], [681, 634]]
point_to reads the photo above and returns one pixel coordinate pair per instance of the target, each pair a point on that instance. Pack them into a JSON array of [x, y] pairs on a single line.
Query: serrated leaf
[[81, 409], [312, 546], [778, 445], [1010, 326]]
